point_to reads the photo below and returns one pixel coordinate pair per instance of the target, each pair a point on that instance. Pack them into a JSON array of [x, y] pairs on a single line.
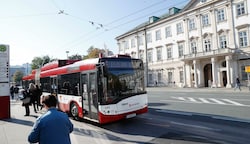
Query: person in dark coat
[[237, 84], [12, 91], [32, 92], [26, 103], [38, 93]]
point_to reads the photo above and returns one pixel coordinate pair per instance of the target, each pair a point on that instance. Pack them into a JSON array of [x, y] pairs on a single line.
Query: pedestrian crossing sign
[[247, 69]]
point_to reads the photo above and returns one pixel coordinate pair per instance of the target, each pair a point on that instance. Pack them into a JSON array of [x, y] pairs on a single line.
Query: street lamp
[[67, 52]]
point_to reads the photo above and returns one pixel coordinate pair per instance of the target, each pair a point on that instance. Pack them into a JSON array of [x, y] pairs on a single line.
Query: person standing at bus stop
[[54, 127]]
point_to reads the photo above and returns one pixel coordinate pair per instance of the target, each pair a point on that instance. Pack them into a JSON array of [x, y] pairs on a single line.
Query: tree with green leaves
[[94, 52], [17, 77], [75, 57], [38, 62]]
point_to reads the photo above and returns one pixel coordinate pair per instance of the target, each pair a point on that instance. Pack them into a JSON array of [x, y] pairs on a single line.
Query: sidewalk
[[16, 129]]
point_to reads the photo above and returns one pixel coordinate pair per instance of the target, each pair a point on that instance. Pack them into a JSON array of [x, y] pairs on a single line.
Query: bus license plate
[[131, 115]]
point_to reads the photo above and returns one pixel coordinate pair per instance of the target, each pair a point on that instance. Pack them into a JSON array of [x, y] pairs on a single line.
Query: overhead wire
[[119, 19], [135, 19]]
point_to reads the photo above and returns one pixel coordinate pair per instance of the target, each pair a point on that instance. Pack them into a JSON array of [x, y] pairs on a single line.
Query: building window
[[126, 45], [205, 20], [149, 38], [170, 77], [168, 31], [120, 47], [158, 35], [223, 41], [240, 9], [159, 54], [169, 52], [159, 77], [132, 43], [180, 49], [207, 45], [140, 40], [133, 54], [150, 78], [220, 15], [150, 56], [191, 24], [181, 77], [141, 55], [243, 38], [193, 47], [179, 28]]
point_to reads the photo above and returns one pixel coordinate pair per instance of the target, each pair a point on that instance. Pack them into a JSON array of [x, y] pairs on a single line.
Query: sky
[[37, 28]]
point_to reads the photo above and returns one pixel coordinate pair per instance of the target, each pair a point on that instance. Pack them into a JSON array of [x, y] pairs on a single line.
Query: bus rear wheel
[[74, 111]]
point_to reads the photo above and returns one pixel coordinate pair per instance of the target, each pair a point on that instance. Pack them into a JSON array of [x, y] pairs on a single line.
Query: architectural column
[[186, 31], [228, 59], [214, 28], [195, 74], [200, 40], [184, 75], [214, 73], [231, 32]]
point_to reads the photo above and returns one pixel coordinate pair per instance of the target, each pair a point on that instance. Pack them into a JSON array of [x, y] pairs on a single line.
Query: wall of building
[[213, 55]]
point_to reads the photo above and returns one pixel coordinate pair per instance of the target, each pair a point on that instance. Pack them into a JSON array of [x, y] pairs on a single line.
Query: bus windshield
[[123, 79]]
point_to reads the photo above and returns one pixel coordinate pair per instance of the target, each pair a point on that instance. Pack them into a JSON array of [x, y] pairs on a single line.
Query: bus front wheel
[[74, 111]]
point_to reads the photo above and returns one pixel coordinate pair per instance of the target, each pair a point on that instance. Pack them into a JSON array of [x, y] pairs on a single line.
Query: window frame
[[223, 42], [240, 10], [179, 28], [168, 32], [221, 15], [158, 35], [243, 39]]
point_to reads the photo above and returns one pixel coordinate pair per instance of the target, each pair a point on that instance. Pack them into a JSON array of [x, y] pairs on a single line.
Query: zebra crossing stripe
[[233, 102], [204, 100], [216, 101], [208, 101], [192, 99]]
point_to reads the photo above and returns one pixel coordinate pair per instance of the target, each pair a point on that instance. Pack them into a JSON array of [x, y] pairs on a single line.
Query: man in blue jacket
[[54, 127]]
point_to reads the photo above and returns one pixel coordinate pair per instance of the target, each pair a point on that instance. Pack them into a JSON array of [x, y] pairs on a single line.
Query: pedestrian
[[12, 92], [237, 84], [53, 127], [26, 102], [16, 90], [37, 95], [32, 92]]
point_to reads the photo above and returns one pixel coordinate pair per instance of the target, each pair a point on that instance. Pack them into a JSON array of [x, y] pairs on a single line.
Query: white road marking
[[233, 102], [207, 101], [204, 100], [192, 99], [217, 101]]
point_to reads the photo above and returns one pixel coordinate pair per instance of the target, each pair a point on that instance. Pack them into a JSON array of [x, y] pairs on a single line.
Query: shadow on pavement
[[21, 121]]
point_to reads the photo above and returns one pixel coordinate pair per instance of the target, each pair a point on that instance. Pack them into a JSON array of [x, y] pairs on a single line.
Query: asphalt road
[[178, 117], [226, 103]]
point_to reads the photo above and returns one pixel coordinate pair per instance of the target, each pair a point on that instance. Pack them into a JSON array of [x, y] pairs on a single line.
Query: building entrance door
[[208, 79]]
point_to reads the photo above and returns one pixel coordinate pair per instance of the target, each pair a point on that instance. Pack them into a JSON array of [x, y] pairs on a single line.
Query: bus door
[[53, 84], [89, 92]]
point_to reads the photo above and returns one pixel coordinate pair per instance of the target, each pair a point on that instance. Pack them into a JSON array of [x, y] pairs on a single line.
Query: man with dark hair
[[53, 127]]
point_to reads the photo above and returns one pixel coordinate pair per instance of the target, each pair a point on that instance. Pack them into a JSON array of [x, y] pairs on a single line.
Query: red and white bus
[[104, 89]]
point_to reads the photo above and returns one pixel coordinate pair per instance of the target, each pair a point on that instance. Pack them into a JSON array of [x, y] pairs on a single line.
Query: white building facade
[[205, 44]]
